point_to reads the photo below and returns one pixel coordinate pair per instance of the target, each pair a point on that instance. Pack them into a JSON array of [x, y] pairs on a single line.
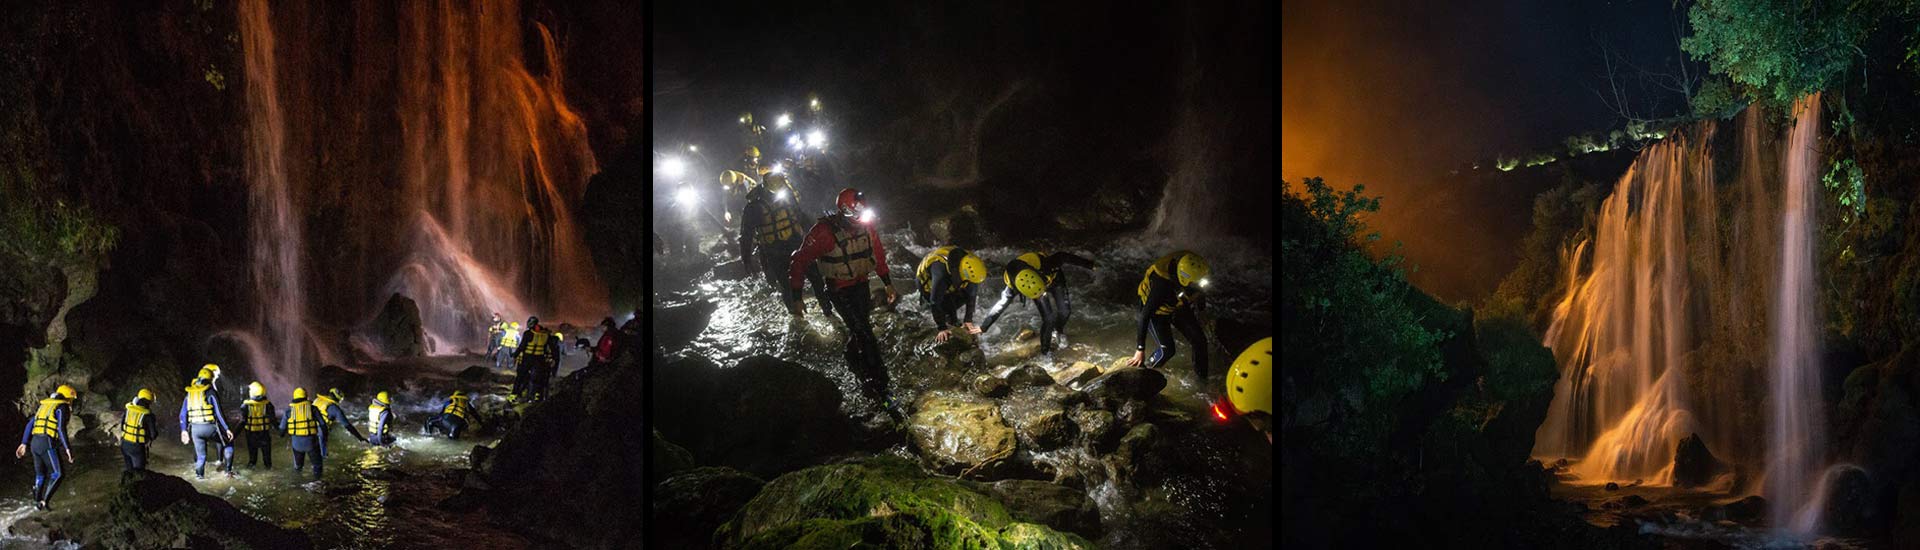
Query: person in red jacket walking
[[848, 252]]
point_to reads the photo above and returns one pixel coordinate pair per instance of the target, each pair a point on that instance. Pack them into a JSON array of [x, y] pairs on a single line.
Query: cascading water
[[1674, 315], [1794, 433], [274, 227]]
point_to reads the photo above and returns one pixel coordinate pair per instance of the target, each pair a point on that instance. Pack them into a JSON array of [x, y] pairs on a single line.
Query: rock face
[[959, 432], [879, 503], [572, 467], [674, 326], [1693, 465], [155, 510], [396, 330], [1045, 503], [764, 416], [1850, 507], [690, 505]]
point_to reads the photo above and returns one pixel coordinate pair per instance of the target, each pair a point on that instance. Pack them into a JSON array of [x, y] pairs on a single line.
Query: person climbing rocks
[[304, 427], [849, 252], [1039, 277], [769, 234], [603, 350], [530, 360], [137, 427], [331, 415], [1250, 386], [495, 328], [203, 425], [453, 416], [379, 419], [259, 423], [509, 342], [1171, 299], [556, 352], [949, 277], [47, 429]]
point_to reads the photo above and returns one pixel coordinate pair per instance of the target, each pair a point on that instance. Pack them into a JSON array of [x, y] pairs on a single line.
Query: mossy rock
[[884, 502]]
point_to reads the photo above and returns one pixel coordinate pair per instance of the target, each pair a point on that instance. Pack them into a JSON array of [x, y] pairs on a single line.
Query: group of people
[[534, 350], [308, 425]]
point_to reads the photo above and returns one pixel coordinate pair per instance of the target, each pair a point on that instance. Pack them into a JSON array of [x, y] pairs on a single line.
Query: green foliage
[[1780, 50], [213, 76], [1560, 217], [1847, 184], [1717, 98], [1506, 163]]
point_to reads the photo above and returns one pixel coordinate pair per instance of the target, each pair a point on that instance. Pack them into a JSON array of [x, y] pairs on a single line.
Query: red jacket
[[819, 241], [603, 352]]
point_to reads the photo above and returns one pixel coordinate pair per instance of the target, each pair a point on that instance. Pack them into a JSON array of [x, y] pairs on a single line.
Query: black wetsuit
[[208, 432], [1165, 293], [1055, 307], [311, 447], [132, 453], [944, 300], [773, 257], [47, 451], [260, 441]]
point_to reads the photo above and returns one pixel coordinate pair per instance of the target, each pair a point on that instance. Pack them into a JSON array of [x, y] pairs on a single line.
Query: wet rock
[[396, 329], [1099, 430], [1029, 375], [1126, 384], [1025, 334], [764, 416], [1047, 429], [1132, 412], [667, 458], [688, 506], [1045, 503], [1027, 536], [1748, 509], [1693, 465], [957, 433], [674, 326], [882, 502], [1132, 451], [478, 457], [990, 386], [153, 510], [1629, 501], [1079, 373], [569, 470], [1850, 509], [1611, 486], [474, 373]]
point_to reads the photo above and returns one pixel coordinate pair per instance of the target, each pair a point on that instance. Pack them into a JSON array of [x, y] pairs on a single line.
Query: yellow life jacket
[[199, 411], [44, 421], [257, 415], [943, 257], [133, 428], [321, 404], [1031, 260], [498, 326], [851, 257], [1163, 268], [777, 223], [457, 408], [302, 419], [373, 417], [510, 340], [538, 343]]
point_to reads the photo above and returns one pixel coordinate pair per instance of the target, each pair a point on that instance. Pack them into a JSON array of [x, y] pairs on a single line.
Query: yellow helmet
[[209, 371], [299, 393], [65, 391], [751, 152], [1192, 268], [1250, 380], [144, 394], [381, 397], [337, 396], [746, 118], [516, 325], [973, 269], [256, 390], [777, 182], [459, 394], [1029, 283]]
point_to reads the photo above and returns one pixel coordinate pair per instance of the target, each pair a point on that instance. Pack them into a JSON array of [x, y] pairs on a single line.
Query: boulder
[[666, 458], [477, 458], [396, 329], [1126, 384], [1079, 373], [1133, 448], [1611, 486], [1132, 412], [1693, 464], [1045, 503], [764, 416], [1099, 430], [883, 502], [959, 432], [1849, 505], [1046, 429], [1029, 375], [688, 506], [473, 374], [1748, 509], [676, 325], [990, 386], [154, 510], [1027, 536], [543, 483]]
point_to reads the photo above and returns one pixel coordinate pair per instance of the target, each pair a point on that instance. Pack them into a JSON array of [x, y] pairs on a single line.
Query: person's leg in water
[[521, 378], [134, 454], [863, 349], [819, 289], [46, 468], [1062, 309], [433, 424], [455, 425], [1046, 308], [1188, 324], [1160, 327], [773, 266], [199, 433]]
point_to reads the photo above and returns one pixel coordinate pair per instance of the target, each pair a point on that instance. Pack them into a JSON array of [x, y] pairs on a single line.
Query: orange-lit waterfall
[[1683, 314]]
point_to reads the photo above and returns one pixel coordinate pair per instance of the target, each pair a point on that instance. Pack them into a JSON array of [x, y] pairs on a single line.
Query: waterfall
[[1689, 307], [274, 226], [1794, 432]]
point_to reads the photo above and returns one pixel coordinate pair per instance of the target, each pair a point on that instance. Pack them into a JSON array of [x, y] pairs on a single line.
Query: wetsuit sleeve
[[340, 417], [1055, 261], [26, 433], [879, 254], [937, 283], [1159, 292], [60, 420], [525, 336], [819, 241], [749, 212], [219, 416], [973, 295], [993, 313], [183, 415], [283, 424]]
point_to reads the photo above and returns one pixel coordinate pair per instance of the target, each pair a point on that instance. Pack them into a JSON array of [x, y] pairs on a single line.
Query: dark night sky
[[1394, 94]]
